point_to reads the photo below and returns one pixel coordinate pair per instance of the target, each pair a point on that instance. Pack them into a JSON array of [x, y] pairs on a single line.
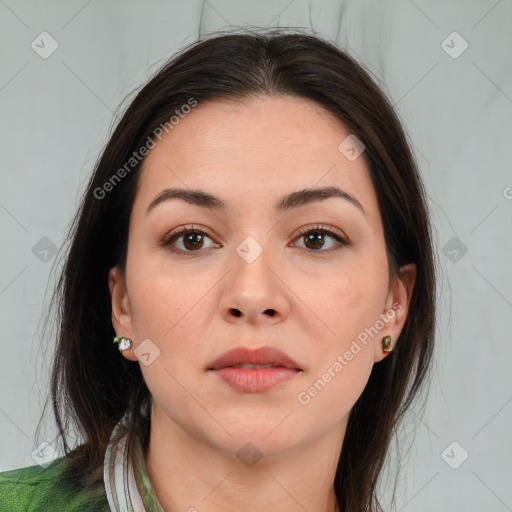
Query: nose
[[254, 291]]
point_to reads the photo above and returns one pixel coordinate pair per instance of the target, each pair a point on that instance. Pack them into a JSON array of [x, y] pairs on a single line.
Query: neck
[[192, 475]]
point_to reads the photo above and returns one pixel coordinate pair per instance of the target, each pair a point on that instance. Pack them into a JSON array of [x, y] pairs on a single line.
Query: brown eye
[[193, 240], [189, 240], [316, 238]]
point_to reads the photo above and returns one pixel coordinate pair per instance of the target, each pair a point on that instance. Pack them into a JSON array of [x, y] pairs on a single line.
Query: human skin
[[250, 154]]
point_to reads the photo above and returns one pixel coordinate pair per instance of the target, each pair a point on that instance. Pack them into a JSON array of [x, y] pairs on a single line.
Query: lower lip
[[251, 380]]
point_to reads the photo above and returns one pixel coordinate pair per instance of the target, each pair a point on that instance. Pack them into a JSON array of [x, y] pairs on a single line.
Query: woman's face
[[257, 272]]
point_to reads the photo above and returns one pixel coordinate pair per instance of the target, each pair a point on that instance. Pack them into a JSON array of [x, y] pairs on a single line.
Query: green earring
[[124, 343], [386, 344]]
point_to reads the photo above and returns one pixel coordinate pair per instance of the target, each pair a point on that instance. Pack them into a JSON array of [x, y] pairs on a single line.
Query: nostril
[[236, 312]]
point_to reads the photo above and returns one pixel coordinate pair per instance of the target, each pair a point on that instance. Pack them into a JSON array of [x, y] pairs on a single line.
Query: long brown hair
[[92, 386]]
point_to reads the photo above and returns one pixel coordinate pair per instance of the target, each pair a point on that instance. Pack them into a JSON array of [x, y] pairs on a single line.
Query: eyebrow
[[285, 204]]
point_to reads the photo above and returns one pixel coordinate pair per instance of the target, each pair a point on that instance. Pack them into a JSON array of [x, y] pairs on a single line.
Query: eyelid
[[327, 229], [188, 227]]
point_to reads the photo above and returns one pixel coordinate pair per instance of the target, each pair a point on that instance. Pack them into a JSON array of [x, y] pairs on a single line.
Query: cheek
[[331, 395], [344, 358], [347, 301], [173, 310], [171, 313], [349, 305]]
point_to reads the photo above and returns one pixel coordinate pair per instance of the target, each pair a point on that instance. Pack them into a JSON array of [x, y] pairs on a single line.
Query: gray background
[[456, 105]]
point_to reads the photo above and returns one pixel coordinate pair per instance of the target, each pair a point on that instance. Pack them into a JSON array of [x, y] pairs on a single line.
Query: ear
[[397, 307], [122, 319]]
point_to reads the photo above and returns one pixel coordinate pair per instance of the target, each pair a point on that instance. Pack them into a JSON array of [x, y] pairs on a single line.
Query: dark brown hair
[[92, 386]]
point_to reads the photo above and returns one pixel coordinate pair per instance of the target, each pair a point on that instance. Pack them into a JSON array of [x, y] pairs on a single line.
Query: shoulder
[[50, 488]]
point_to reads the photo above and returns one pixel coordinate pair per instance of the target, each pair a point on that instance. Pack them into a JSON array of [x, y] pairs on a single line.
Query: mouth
[[254, 371], [246, 366], [247, 359]]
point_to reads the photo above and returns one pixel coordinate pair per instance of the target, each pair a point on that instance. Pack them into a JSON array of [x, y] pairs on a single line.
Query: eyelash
[[169, 239]]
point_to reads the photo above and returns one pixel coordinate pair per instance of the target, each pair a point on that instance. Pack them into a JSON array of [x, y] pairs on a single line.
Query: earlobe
[[397, 309], [121, 311]]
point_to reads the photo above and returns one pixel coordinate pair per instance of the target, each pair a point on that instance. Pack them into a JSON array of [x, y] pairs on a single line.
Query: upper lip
[[263, 355]]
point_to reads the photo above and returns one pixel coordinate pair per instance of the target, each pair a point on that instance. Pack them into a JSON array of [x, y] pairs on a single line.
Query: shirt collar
[[127, 483]]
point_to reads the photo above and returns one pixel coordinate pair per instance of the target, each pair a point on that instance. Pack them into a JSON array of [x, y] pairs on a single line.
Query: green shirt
[[123, 483], [52, 489]]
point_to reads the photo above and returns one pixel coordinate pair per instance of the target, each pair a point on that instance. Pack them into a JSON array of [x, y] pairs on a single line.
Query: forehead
[[258, 147]]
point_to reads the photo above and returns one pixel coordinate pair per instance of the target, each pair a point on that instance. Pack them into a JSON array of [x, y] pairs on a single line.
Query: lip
[[254, 380], [262, 355]]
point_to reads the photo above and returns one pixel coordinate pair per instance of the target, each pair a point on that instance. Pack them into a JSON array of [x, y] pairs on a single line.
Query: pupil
[[315, 238], [190, 239]]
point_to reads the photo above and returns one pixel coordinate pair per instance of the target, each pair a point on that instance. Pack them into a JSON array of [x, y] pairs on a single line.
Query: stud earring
[[124, 343], [386, 344]]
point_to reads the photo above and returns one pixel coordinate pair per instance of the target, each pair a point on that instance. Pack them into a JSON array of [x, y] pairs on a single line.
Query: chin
[[271, 436], [257, 446]]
